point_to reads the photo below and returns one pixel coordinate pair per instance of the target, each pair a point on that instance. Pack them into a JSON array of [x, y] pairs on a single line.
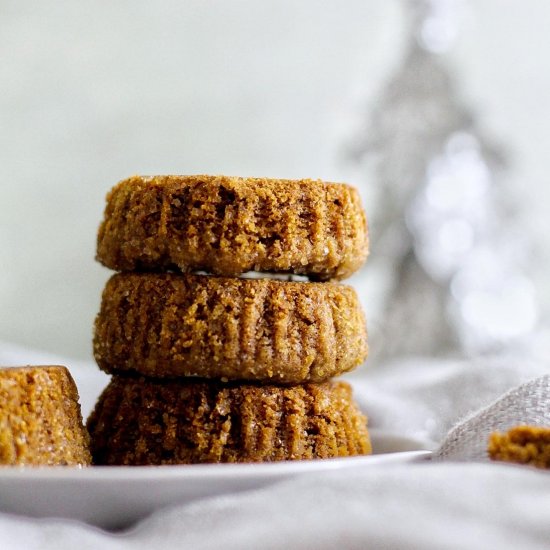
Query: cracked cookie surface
[[172, 325], [140, 421], [230, 225], [40, 419]]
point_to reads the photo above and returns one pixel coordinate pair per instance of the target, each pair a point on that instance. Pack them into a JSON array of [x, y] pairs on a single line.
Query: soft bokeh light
[[93, 94]]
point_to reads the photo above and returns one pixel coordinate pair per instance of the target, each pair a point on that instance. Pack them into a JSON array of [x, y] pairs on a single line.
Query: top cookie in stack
[[227, 226]]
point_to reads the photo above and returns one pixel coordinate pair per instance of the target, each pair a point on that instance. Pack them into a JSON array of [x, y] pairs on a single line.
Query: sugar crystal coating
[[230, 225], [141, 421], [169, 325], [40, 419]]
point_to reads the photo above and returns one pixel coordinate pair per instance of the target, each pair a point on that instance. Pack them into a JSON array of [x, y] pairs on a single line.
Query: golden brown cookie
[[229, 225], [139, 421], [523, 445], [40, 420], [168, 325]]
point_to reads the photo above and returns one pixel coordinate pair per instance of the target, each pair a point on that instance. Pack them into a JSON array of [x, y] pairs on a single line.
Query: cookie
[[229, 225], [139, 421], [170, 325], [523, 445], [40, 419]]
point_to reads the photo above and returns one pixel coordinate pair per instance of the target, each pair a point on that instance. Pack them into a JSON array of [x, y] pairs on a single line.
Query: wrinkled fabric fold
[[446, 405]]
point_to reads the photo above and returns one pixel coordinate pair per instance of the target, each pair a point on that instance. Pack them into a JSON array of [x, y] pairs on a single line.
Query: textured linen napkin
[[439, 504], [424, 398], [527, 404]]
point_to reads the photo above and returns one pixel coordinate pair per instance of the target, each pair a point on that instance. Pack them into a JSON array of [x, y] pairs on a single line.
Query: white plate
[[116, 496]]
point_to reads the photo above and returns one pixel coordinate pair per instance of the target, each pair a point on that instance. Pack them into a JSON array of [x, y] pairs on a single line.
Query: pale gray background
[[91, 92]]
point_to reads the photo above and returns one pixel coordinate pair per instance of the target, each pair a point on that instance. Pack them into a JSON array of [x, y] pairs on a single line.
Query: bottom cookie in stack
[[142, 421]]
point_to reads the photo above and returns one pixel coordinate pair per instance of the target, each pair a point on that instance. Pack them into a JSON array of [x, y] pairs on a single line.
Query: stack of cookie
[[210, 364]]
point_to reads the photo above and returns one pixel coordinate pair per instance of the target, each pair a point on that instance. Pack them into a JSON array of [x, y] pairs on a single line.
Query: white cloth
[[427, 505]]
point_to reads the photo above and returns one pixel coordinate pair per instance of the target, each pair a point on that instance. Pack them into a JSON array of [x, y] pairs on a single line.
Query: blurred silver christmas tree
[[443, 236]]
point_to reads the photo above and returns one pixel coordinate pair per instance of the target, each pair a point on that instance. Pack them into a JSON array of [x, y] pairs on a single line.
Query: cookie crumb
[[522, 445]]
